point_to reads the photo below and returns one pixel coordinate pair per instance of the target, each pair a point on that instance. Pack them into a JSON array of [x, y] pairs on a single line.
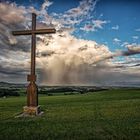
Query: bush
[[50, 94], [8, 92]]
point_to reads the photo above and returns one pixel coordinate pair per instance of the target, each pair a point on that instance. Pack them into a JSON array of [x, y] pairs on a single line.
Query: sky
[[97, 42]]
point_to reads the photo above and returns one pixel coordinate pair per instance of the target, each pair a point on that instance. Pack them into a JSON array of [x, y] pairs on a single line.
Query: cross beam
[[30, 32], [32, 89]]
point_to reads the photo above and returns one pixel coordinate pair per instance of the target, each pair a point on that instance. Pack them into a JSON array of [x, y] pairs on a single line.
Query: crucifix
[[32, 89]]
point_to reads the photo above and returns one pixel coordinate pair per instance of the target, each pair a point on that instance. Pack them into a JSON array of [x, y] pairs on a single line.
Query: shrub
[[8, 92]]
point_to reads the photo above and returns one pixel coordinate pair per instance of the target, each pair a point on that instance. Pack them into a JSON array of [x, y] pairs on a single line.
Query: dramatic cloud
[[65, 62], [71, 59], [61, 57], [133, 48], [11, 17]]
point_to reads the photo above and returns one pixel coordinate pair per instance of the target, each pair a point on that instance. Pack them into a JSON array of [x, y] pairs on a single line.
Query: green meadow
[[105, 115]]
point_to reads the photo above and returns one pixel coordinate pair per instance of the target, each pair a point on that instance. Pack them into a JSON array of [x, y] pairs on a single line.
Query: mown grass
[[111, 115]]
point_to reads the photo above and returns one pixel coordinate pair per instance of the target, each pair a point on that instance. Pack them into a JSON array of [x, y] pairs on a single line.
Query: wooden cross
[[32, 89]]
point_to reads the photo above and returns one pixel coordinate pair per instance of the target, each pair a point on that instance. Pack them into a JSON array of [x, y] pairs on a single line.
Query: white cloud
[[134, 47], [88, 28], [16, 14], [94, 26], [99, 23], [115, 27], [46, 4], [76, 15], [138, 30], [124, 44], [135, 37], [73, 62], [116, 41]]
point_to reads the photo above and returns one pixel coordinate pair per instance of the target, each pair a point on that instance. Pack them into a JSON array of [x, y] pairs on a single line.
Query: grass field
[[111, 115]]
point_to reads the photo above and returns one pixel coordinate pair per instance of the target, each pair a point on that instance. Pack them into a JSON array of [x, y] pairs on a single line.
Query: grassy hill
[[111, 115]]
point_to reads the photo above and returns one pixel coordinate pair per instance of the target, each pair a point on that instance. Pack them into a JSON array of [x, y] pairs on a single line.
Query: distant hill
[[6, 84]]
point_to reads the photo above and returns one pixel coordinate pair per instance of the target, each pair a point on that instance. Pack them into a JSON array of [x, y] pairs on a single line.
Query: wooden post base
[[30, 111], [32, 94]]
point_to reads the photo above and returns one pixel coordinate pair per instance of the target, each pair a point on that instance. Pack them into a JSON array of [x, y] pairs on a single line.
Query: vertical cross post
[[33, 44], [32, 89]]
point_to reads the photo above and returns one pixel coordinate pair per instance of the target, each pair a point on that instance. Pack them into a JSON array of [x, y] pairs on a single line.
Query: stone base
[[30, 111]]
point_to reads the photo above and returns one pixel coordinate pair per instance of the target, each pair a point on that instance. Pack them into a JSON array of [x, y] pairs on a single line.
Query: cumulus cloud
[[71, 59], [11, 17], [83, 63], [134, 48]]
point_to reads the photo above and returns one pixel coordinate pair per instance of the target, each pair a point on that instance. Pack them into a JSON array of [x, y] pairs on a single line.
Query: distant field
[[111, 115]]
